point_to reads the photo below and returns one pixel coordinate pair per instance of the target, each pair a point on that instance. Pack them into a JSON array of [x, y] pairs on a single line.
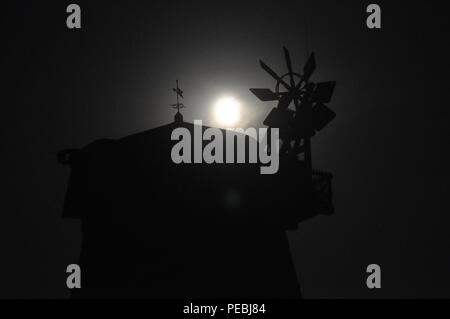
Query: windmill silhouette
[[125, 187], [310, 114]]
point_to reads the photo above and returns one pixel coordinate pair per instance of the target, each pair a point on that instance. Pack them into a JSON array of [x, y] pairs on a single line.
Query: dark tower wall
[[152, 228]]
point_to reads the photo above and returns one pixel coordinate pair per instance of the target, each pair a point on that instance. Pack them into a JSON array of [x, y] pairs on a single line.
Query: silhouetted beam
[[324, 91], [309, 68], [289, 65], [273, 74], [265, 94]]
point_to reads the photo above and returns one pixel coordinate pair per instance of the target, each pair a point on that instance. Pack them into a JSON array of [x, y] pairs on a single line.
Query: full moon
[[227, 111]]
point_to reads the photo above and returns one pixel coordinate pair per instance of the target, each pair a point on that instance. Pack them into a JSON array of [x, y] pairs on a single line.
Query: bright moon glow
[[227, 111]]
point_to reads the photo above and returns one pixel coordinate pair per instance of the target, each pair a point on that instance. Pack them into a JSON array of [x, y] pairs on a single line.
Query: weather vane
[[310, 114], [178, 105]]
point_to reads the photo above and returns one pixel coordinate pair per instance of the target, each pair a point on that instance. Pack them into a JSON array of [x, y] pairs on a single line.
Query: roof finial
[[178, 105]]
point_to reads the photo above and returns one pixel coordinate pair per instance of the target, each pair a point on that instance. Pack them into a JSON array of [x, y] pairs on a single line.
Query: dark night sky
[[387, 148]]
